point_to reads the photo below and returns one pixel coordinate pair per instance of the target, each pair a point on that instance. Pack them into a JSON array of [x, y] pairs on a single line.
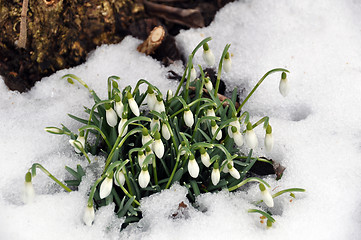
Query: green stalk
[[174, 170], [92, 191], [110, 85], [268, 216], [128, 194], [251, 179], [258, 84], [220, 69], [79, 80], [97, 129], [190, 64], [155, 171], [39, 166]]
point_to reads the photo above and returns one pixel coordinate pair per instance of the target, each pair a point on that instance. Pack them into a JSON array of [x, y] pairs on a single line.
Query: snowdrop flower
[[106, 186], [208, 56], [110, 115], [226, 169], [284, 86], [54, 130], [89, 215], [122, 122], [151, 98], [193, 167], [266, 196], [148, 151], [205, 157], [227, 63], [268, 140], [28, 193], [165, 132], [193, 74], [233, 171], [145, 136], [214, 129], [159, 105], [251, 138], [154, 122], [169, 95], [236, 124], [237, 136], [144, 177], [118, 107], [133, 104], [183, 144], [188, 118], [119, 178], [158, 146], [210, 112], [79, 143], [215, 175], [141, 158], [208, 84]]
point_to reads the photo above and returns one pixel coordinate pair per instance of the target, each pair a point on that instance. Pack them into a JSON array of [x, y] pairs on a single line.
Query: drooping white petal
[[226, 169], [188, 118], [111, 116], [268, 142], [238, 138], [206, 159], [151, 100], [251, 139], [119, 107], [144, 178], [80, 143], [119, 175], [227, 64], [153, 123], [215, 176], [210, 112], [209, 85], [146, 139], [158, 148], [28, 193], [141, 158], [120, 127], [89, 215], [193, 74], [193, 168], [165, 132], [208, 57], [159, 106], [219, 134], [234, 173], [106, 187], [284, 87], [267, 198], [133, 106], [234, 124]]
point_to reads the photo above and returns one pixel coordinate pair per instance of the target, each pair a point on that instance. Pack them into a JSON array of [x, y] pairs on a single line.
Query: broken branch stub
[[153, 41]]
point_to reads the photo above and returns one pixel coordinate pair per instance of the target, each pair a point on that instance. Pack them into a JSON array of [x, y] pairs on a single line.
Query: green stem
[[288, 190], [174, 170], [128, 194], [92, 191], [79, 80], [220, 69], [97, 129], [258, 84], [268, 216], [155, 171], [251, 179]]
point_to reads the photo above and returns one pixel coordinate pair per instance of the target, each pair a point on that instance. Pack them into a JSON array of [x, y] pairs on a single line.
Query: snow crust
[[316, 129]]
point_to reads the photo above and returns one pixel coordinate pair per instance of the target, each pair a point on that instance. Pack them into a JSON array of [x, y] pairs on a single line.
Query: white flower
[[215, 176], [210, 112], [165, 132], [234, 172], [214, 129], [145, 136], [183, 144], [205, 157], [227, 63], [266, 196], [29, 192], [141, 158], [144, 178], [251, 138], [208, 56], [193, 167], [106, 187], [119, 175], [188, 118], [236, 124], [158, 146], [80, 144], [119, 107], [133, 104], [154, 122], [237, 137], [120, 126], [208, 84], [169, 94], [268, 142], [151, 98], [159, 106], [148, 151], [89, 215], [226, 169], [284, 86], [111, 116], [193, 74], [54, 130]]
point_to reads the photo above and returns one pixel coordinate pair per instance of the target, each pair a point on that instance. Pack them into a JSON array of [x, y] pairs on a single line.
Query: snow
[[316, 129]]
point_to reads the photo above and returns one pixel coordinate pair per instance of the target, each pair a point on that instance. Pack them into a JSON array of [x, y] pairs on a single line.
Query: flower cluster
[[188, 137]]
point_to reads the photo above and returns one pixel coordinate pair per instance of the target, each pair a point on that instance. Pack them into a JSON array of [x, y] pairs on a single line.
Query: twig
[[23, 30]]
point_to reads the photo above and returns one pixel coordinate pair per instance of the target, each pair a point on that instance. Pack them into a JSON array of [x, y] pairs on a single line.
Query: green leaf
[[74, 173], [80, 170], [81, 120], [177, 176], [195, 188], [126, 207]]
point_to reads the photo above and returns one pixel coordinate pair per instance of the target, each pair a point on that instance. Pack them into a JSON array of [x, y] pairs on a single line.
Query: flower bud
[[268, 140], [144, 178], [119, 178], [210, 112], [165, 132], [193, 74], [183, 144], [106, 186], [54, 130], [122, 122], [208, 84], [110, 115], [169, 95], [214, 129], [215, 175], [226, 169], [250, 137], [208, 56], [227, 63], [205, 157], [266, 196], [233, 171], [236, 124], [188, 118], [145, 136], [29, 192], [133, 104], [118, 107], [193, 167], [284, 86], [141, 158], [158, 146], [89, 215], [237, 137], [159, 106], [151, 98], [154, 122]]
